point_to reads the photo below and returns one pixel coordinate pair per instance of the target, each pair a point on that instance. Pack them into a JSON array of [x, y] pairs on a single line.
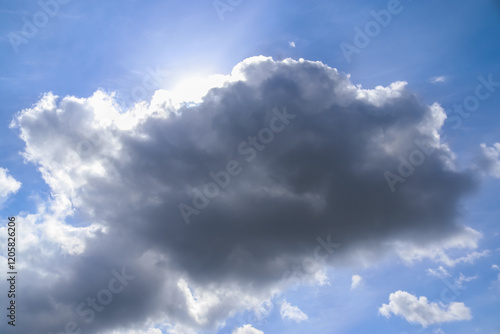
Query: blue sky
[[442, 50]]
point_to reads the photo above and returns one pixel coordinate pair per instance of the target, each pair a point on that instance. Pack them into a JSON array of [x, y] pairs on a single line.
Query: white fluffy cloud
[[290, 312], [355, 281], [8, 185], [418, 310], [489, 161], [439, 79], [118, 177], [468, 239], [247, 329]]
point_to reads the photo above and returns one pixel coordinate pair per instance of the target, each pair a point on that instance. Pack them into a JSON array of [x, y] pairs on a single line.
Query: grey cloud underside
[[325, 164], [322, 175]]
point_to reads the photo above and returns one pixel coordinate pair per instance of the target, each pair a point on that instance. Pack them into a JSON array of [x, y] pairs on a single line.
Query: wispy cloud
[[439, 272], [355, 281], [440, 79], [290, 312]]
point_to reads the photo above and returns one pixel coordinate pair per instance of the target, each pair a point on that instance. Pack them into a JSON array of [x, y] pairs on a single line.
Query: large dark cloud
[[322, 173]]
